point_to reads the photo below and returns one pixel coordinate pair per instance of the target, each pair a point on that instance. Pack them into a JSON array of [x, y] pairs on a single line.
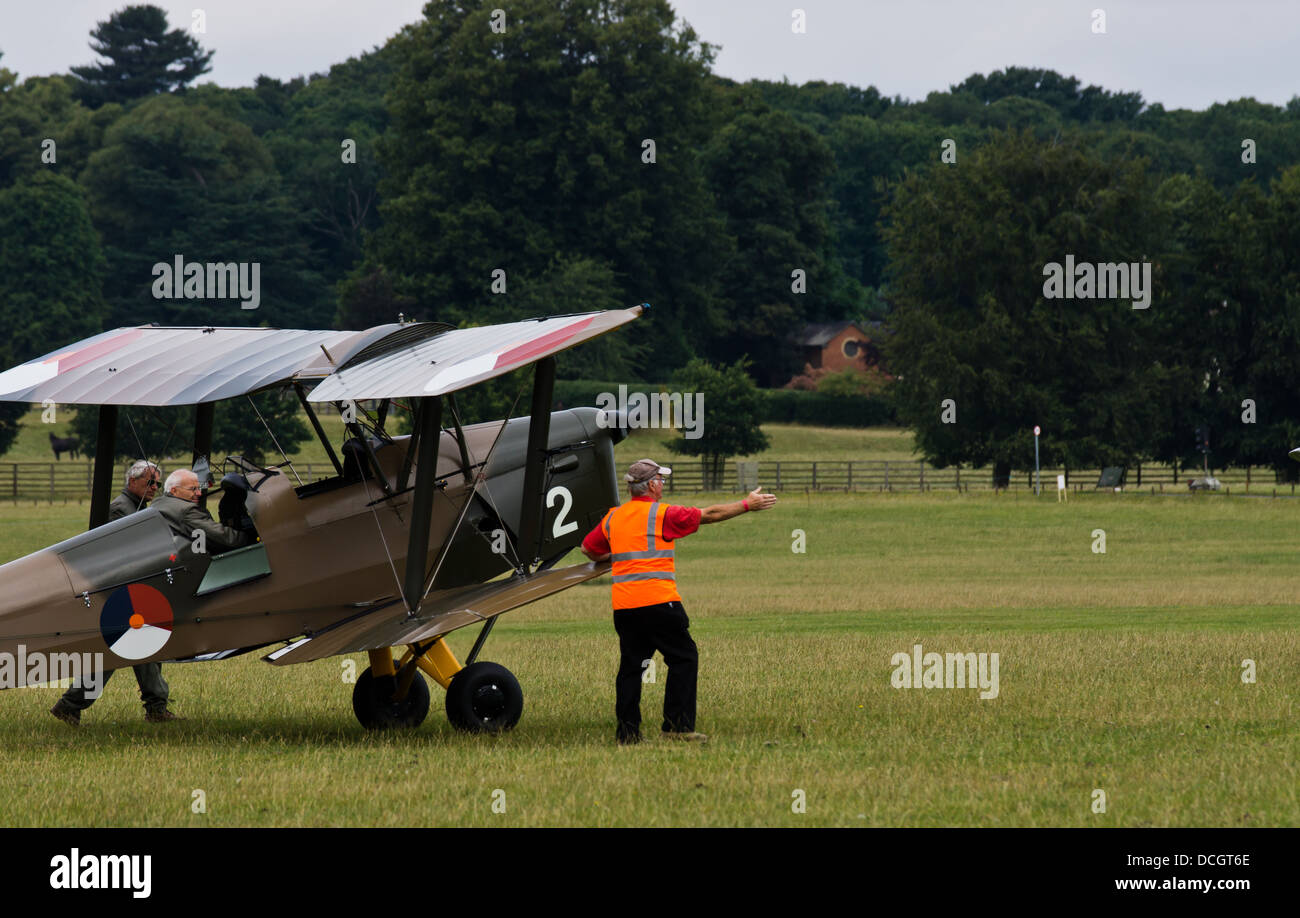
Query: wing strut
[[320, 431], [429, 429], [539, 433], [105, 451], [460, 438], [204, 412]]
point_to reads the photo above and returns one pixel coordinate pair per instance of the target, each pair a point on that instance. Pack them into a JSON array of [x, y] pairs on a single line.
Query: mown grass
[[1118, 671]]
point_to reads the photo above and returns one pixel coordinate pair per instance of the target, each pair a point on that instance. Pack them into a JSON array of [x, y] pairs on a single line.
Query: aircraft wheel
[[484, 698], [375, 710]]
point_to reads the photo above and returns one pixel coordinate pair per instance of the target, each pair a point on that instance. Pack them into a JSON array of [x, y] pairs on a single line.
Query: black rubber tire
[[484, 698], [376, 712]]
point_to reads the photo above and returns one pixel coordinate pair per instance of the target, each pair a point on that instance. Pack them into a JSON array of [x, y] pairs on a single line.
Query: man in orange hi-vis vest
[[638, 538]]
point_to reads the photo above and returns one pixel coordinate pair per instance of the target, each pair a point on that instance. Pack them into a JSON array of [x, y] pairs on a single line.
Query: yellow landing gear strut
[[485, 699], [438, 661], [389, 694]]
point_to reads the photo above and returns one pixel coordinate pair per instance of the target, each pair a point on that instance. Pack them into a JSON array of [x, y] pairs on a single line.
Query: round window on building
[[850, 348]]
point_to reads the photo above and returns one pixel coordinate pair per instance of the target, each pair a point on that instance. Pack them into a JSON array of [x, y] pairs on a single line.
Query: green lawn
[[1118, 671]]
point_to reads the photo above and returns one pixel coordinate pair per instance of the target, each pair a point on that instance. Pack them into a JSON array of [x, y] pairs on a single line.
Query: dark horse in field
[[65, 445]]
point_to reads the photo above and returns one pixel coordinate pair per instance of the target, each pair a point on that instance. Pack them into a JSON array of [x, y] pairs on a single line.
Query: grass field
[[1118, 671]]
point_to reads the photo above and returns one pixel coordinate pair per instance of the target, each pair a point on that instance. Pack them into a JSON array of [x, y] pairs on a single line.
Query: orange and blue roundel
[[136, 621]]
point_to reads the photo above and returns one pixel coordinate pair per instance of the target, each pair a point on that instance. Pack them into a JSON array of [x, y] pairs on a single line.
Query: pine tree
[[143, 58]]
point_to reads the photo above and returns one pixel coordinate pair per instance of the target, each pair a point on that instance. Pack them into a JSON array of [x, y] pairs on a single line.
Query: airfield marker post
[[1037, 478]]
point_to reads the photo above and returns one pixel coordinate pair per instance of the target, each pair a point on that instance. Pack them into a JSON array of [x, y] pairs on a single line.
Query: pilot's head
[[184, 484], [645, 476], [142, 479]]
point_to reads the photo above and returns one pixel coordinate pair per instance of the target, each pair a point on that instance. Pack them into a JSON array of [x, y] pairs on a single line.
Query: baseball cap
[[644, 470]]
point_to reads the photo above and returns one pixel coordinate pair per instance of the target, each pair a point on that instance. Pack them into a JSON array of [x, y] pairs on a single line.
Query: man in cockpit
[[179, 507]]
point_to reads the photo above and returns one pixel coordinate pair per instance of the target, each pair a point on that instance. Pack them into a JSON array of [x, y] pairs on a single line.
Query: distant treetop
[[143, 58]]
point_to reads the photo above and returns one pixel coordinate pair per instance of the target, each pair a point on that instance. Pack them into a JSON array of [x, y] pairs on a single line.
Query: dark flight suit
[[153, 688]]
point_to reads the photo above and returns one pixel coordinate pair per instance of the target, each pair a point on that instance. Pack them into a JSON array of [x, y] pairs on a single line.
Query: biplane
[[411, 538]]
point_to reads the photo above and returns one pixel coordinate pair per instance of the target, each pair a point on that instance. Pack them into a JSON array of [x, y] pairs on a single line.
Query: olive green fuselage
[[329, 551]]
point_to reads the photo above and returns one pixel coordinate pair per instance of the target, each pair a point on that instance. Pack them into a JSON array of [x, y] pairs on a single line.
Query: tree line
[[575, 155]]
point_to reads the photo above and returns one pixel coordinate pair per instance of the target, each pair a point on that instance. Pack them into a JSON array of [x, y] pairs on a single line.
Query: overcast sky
[[1181, 53]]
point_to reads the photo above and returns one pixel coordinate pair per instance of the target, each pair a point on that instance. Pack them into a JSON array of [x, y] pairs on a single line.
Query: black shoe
[[161, 717], [66, 713], [629, 739]]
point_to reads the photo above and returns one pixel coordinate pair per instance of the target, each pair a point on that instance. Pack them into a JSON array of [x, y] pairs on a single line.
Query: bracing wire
[[481, 478], [273, 439]]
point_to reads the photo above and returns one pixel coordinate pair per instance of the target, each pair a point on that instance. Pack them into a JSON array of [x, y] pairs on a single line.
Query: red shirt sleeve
[[681, 521], [595, 542]]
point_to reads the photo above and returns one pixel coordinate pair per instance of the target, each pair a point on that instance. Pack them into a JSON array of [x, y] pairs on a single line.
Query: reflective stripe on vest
[[642, 558]]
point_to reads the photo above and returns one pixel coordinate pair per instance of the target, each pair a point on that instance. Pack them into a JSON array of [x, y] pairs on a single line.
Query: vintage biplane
[[412, 538]]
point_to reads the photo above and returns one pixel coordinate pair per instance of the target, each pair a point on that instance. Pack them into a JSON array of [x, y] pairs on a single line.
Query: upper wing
[[156, 366], [462, 357], [149, 365]]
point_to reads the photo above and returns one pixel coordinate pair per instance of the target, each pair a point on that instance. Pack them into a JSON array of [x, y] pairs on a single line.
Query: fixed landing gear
[[484, 698], [376, 703], [481, 697]]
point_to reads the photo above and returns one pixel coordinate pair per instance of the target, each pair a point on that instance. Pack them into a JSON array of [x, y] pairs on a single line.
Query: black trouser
[[153, 689], [642, 631]]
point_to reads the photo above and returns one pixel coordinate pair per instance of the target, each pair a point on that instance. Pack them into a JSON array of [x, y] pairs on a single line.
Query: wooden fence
[[892, 475], [51, 481], [70, 480]]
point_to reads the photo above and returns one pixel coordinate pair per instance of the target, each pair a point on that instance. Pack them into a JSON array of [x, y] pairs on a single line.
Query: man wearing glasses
[[142, 481], [638, 538], [180, 508]]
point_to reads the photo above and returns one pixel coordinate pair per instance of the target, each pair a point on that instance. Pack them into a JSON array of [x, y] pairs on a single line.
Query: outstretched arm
[[595, 546], [719, 512]]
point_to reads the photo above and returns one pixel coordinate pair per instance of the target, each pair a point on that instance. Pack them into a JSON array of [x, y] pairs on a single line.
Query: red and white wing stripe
[[464, 357]]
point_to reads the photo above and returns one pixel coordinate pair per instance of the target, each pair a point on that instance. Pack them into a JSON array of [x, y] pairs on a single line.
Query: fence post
[[850, 487], [814, 483], [15, 481], [778, 475], [51, 482], [921, 464], [887, 488], [957, 470]]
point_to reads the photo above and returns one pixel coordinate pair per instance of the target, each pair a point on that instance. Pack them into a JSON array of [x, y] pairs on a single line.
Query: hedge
[[781, 406]]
